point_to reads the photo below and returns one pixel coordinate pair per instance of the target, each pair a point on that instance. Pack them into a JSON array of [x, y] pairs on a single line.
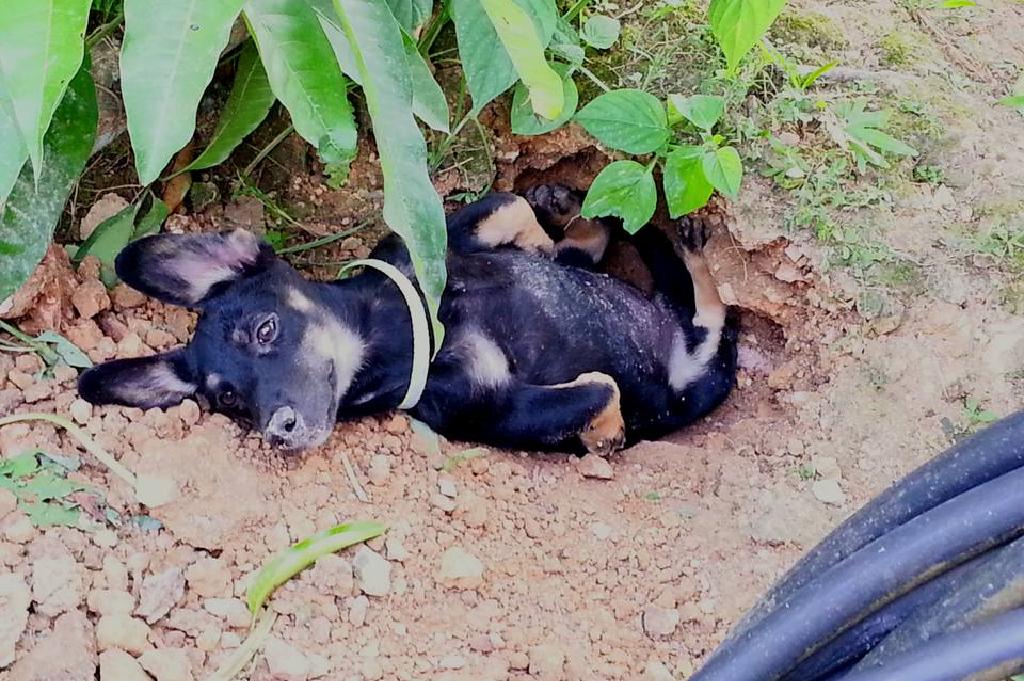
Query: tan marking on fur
[[589, 236], [606, 432], [485, 361], [326, 339], [201, 271], [710, 308], [298, 301], [514, 224]]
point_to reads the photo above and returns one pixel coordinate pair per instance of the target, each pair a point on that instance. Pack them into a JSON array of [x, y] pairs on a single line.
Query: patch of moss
[[808, 29], [898, 48]]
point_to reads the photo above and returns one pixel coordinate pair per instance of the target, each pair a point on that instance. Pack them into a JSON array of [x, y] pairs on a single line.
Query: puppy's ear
[[158, 381], [184, 269]]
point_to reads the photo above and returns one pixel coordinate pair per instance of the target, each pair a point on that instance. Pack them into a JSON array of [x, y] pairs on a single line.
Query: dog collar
[[420, 326]]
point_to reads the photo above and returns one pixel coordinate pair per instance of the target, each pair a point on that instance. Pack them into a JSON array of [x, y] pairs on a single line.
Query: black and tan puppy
[[539, 352]]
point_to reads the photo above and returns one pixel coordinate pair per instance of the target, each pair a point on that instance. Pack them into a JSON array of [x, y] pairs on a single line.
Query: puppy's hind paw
[[554, 204], [693, 232], [606, 432]]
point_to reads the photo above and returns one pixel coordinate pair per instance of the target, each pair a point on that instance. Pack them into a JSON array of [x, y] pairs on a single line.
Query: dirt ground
[[513, 566]]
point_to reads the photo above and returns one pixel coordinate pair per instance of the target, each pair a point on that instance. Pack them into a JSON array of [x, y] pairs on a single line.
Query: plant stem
[[103, 30], [437, 22], [323, 241], [575, 10], [265, 151]]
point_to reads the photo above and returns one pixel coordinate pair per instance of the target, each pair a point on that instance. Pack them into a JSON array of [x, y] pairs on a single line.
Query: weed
[[896, 50], [931, 174], [1004, 243], [806, 472]]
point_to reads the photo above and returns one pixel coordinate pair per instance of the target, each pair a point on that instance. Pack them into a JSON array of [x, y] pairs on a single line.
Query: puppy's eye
[[228, 398], [267, 331]]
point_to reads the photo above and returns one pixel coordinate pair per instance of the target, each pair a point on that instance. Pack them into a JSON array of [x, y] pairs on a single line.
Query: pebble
[[232, 610], [601, 530], [168, 664], [829, 492], [159, 593], [452, 662], [394, 549], [595, 467], [90, 298], [547, 662], [372, 670], [18, 528], [81, 411], [656, 671], [15, 598], [122, 631], [460, 568], [117, 665], [67, 653], [209, 578], [447, 488], [8, 502], [446, 504], [357, 610], [379, 470], [372, 573], [286, 662], [107, 602], [155, 490], [332, 574], [659, 621], [105, 539], [56, 585]]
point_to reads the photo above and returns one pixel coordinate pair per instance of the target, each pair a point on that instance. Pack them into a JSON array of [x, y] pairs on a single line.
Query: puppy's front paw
[[606, 432], [554, 204], [693, 232]]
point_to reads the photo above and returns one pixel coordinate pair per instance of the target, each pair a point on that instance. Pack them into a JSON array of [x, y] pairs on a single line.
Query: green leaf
[[288, 563], [412, 207], [525, 47], [19, 466], [566, 43], [686, 187], [428, 100], [40, 51], [739, 24], [43, 514], [168, 56], [1014, 101], [36, 202], [152, 221], [304, 74], [13, 152], [107, 240], [629, 120], [625, 189], [861, 134], [885, 142], [411, 13], [957, 4], [47, 485], [724, 169], [248, 104], [526, 122], [66, 350], [813, 77], [601, 32], [704, 111], [488, 69]]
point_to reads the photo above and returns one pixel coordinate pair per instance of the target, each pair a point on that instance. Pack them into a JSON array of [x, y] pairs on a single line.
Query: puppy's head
[[266, 348]]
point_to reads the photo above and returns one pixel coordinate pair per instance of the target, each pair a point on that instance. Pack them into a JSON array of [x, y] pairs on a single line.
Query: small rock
[[124, 297], [233, 611], [86, 334], [90, 297], [105, 539], [189, 412], [8, 502], [160, 593], [332, 574], [67, 653], [829, 492], [56, 585], [18, 528], [372, 573], [379, 470], [656, 671], [117, 665], [601, 530], [168, 664], [209, 578], [107, 206], [827, 467], [447, 487], [122, 631], [286, 662], [394, 549], [460, 568], [357, 610], [594, 466], [154, 490], [372, 669], [81, 411], [659, 621], [107, 602], [452, 662], [446, 504], [547, 662], [15, 597]]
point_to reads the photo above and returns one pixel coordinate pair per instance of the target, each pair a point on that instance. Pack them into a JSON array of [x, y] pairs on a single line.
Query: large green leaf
[[526, 122], [704, 111], [169, 53], [630, 120], [304, 74], [248, 104], [107, 240], [686, 187], [724, 169], [411, 205], [13, 152], [411, 13], [428, 100], [36, 203], [625, 189], [486, 63], [525, 47], [739, 24], [40, 51]]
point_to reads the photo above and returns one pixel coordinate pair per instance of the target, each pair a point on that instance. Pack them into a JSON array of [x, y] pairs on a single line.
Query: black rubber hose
[[991, 583], [840, 597], [990, 650], [978, 459]]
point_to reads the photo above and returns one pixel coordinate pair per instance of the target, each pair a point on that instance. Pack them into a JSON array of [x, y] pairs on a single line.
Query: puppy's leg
[[498, 219], [709, 310], [579, 241]]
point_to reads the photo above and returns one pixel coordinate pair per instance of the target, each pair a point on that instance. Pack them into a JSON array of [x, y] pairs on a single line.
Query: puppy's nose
[[285, 427]]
